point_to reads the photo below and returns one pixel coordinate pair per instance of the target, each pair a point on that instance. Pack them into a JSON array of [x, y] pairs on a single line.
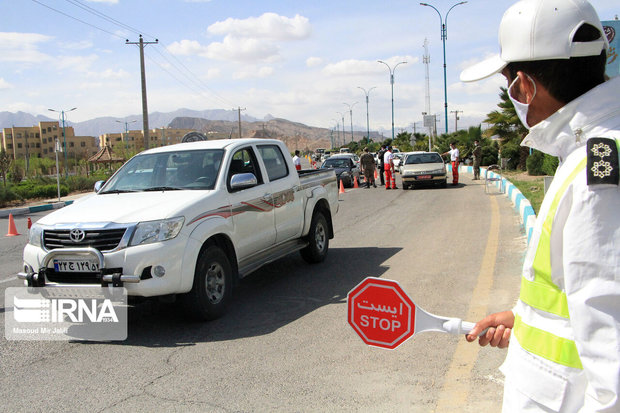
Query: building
[[134, 139], [38, 141]]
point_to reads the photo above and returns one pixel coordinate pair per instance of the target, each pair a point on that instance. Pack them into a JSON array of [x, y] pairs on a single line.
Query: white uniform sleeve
[[591, 267]]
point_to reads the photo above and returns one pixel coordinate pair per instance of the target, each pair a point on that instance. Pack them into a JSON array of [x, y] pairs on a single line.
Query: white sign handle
[[429, 322]]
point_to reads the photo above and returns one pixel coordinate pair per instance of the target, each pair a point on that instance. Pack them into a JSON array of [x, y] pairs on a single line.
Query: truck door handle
[[267, 197]]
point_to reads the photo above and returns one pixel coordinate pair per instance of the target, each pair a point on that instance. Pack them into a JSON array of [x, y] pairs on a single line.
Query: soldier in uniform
[[367, 162]]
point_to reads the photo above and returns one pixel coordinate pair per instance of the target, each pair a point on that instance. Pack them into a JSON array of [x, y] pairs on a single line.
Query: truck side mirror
[[243, 181]]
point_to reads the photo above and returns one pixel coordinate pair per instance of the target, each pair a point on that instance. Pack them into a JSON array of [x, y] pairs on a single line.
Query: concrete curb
[[38, 208], [521, 204]]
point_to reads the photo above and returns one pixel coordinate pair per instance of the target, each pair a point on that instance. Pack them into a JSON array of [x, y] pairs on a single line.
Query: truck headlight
[[35, 234], [156, 231], [344, 173], [439, 171]]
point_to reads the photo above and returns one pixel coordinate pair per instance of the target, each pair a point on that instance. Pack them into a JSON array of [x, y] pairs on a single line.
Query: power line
[[76, 19], [106, 17], [185, 71]]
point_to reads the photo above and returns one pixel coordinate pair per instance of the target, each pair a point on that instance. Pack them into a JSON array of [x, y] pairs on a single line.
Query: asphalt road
[[285, 344]]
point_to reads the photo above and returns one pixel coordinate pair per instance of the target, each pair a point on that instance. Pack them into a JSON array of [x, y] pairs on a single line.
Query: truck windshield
[[167, 171]]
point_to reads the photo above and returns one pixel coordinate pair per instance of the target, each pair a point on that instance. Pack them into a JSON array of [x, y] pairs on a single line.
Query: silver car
[[423, 168]]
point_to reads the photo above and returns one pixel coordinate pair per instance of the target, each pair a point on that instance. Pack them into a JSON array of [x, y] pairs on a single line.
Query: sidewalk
[[42, 205]]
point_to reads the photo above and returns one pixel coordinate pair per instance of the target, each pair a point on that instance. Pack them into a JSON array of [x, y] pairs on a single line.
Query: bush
[[550, 164], [535, 163], [6, 196], [511, 151]]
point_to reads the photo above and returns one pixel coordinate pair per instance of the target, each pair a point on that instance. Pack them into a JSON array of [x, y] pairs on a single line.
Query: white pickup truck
[[187, 220]]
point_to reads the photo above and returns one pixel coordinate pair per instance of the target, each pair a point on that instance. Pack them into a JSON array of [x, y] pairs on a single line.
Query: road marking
[[457, 381], [7, 280]]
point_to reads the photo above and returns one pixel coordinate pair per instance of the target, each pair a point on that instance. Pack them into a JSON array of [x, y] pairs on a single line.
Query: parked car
[[187, 221], [345, 167], [423, 168], [397, 160]]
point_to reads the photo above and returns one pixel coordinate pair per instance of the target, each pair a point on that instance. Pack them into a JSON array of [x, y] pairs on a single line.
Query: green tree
[[5, 164], [505, 124]]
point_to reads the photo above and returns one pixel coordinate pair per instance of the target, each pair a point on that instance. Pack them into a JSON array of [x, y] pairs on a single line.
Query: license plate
[[75, 266], [424, 176]]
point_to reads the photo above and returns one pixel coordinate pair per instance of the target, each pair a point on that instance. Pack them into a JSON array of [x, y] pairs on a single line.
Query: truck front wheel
[[212, 289], [318, 240]]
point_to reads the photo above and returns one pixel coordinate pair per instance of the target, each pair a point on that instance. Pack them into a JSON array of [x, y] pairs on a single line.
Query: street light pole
[[444, 36], [392, 83], [351, 115], [367, 92], [344, 139], [126, 140], [64, 137]]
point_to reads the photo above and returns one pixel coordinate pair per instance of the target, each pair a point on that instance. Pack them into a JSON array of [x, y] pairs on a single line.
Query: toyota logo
[[77, 235]]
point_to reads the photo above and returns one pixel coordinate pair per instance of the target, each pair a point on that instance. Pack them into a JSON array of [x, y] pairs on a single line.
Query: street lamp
[[351, 115], [344, 139], [444, 36], [337, 133], [64, 138], [126, 141], [367, 92], [392, 83]]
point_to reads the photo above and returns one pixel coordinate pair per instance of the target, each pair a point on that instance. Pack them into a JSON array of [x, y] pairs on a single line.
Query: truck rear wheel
[[318, 239], [212, 289]]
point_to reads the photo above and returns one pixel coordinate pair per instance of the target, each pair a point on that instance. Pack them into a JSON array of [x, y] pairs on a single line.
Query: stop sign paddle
[[384, 316]]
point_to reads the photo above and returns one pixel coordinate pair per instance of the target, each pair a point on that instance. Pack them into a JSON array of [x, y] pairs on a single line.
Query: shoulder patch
[[602, 165]]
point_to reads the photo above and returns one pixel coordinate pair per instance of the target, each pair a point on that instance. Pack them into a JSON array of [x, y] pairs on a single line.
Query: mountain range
[[223, 123]]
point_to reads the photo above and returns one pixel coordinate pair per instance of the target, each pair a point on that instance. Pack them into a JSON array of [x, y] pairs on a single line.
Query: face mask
[[521, 108]]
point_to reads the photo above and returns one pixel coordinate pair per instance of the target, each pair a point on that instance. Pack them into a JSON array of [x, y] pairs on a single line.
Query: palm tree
[[505, 124]]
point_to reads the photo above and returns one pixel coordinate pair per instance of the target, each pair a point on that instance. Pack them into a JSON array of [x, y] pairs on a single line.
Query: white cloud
[[4, 84], [249, 73], [22, 47], [242, 50], [213, 73], [81, 45], [77, 63], [110, 74], [354, 67], [314, 61], [267, 26], [186, 48]]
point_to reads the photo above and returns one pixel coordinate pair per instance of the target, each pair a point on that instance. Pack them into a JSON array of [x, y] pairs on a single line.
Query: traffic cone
[[376, 175], [341, 191], [355, 183], [29, 223], [12, 230]]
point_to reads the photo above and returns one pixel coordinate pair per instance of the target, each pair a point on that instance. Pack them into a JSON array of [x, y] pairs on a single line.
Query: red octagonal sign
[[381, 312]]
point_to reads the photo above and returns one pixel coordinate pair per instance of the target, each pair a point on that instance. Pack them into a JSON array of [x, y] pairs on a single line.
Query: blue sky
[[299, 60]]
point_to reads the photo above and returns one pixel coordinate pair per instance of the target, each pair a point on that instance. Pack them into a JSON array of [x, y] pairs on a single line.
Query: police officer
[[367, 163], [563, 335]]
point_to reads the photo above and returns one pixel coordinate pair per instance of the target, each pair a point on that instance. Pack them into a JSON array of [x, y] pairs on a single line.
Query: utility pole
[[64, 136], [145, 113], [239, 109], [456, 118]]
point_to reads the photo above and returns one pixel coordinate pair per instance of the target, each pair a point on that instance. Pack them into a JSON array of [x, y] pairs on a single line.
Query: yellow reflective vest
[[564, 353]]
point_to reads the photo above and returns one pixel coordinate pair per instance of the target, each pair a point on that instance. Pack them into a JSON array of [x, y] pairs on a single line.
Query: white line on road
[[8, 279]]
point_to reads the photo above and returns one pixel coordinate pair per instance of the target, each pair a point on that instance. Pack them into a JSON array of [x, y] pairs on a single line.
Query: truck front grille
[[101, 239]]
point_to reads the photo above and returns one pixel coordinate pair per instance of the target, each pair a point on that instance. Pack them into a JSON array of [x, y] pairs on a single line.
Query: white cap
[[540, 30]]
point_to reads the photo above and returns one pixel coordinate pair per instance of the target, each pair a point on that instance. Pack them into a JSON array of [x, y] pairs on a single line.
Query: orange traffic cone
[[29, 223], [12, 230], [376, 176], [341, 191], [355, 183]]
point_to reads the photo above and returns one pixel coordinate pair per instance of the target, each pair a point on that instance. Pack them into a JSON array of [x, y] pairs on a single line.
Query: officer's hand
[[499, 327]]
